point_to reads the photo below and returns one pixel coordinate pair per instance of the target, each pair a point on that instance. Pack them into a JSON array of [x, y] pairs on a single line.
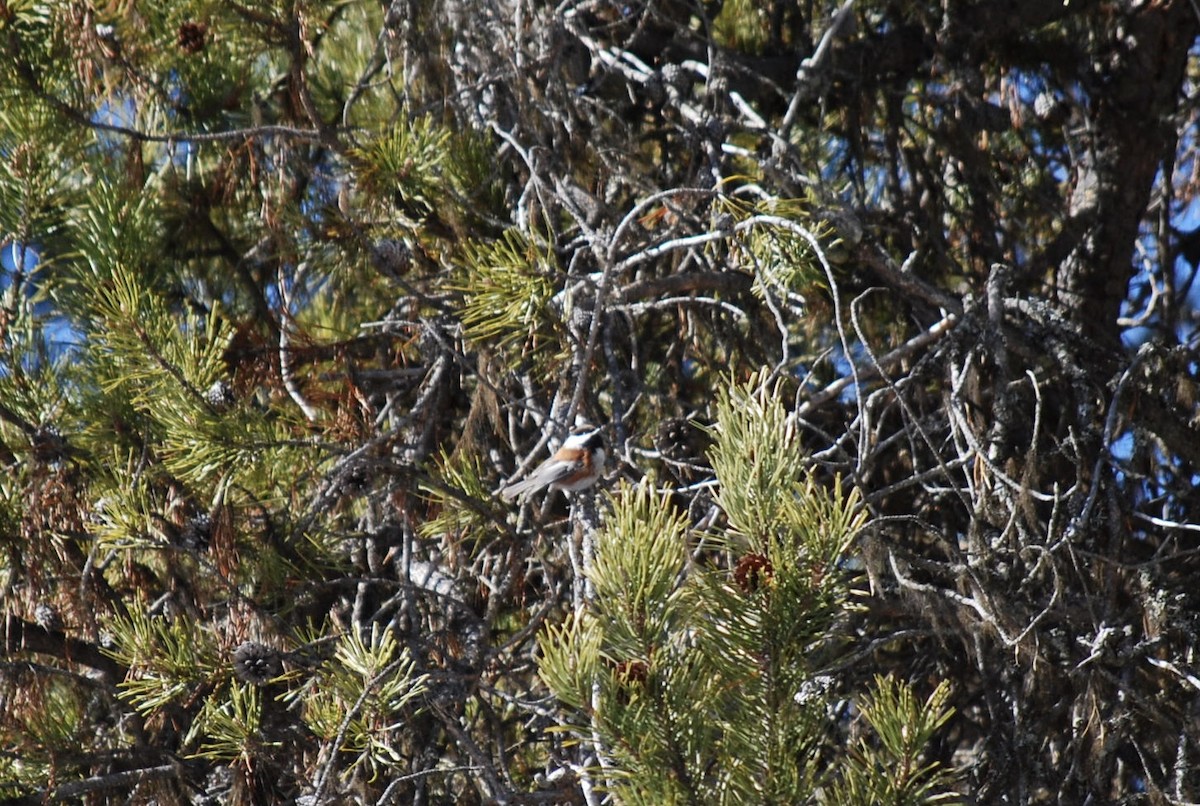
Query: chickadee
[[577, 465]]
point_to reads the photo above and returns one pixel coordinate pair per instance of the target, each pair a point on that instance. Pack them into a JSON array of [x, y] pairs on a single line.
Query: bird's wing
[[547, 473], [511, 491]]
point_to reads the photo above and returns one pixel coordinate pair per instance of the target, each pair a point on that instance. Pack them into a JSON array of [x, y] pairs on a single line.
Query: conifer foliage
[[886, 310]]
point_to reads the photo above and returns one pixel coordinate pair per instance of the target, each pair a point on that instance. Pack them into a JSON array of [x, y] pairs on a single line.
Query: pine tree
[[886, 310], [705, 670]]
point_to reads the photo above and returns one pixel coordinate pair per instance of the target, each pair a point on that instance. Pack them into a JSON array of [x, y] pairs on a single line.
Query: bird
[[576, 465]]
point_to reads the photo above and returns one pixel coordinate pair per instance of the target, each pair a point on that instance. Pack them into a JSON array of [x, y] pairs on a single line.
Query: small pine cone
[[676, 77], [256, 663], [47, 616], [353, 481], [220, 396], [1049, 108], [48, 444], [193, 37], [393, 257], [753, 572], [815, 689], [672, 438], [196, 533], [680, 441]]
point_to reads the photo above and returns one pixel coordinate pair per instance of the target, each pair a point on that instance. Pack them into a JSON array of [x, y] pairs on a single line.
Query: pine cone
[[220, 396], [47, 617], [48, 444], [193, 36], [753, 572], [197, 533], [256, 663], [681, 441]]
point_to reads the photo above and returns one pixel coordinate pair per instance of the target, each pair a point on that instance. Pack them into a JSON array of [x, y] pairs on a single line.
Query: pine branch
[[113, 782], [23, 636]]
